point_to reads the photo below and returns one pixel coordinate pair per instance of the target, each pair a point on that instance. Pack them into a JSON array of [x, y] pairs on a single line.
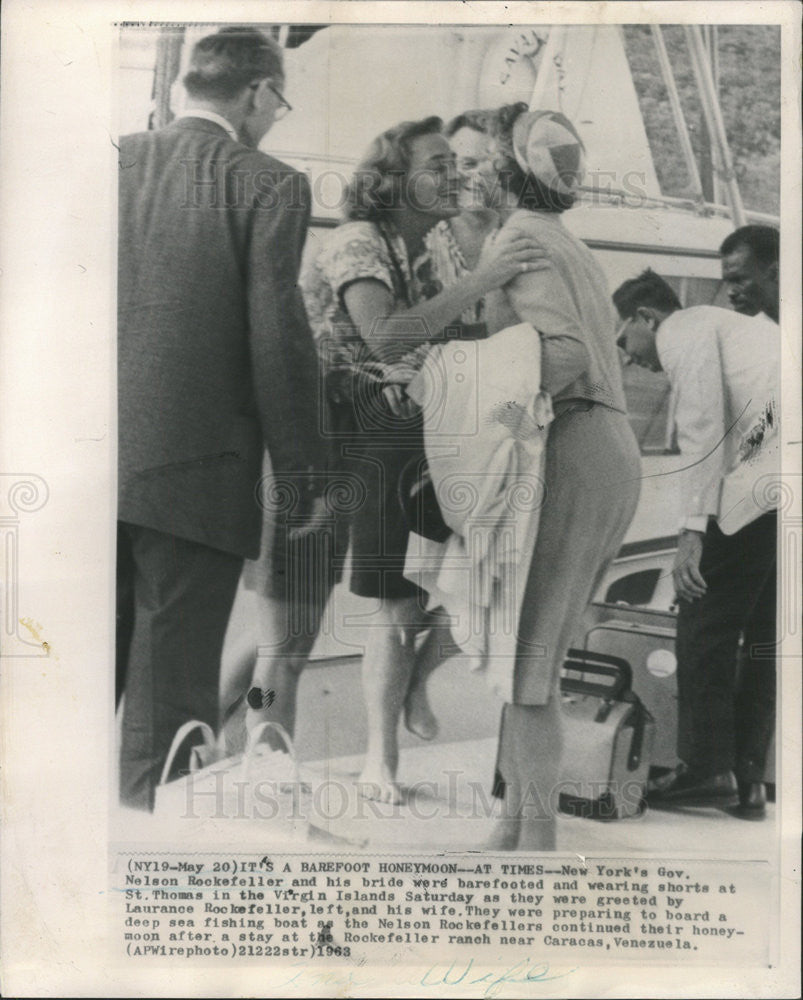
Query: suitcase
[[608, 738], [646, 640]]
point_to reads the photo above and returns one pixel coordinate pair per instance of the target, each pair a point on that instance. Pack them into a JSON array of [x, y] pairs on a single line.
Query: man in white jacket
[[724, 373]]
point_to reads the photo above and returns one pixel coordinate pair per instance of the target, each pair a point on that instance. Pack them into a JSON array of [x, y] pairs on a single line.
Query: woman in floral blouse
[[373, 321]]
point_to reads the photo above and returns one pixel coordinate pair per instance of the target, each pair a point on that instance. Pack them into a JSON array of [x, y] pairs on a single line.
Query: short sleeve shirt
[[353, 251]]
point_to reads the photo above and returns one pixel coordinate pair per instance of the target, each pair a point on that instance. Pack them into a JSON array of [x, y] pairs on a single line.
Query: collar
[[211, 116]]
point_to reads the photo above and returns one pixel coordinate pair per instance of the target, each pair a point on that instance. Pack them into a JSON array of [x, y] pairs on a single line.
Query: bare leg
[[507, 827], [418, 715], [239, 650], [539, 745], [272, 659], [530, 757], [386, 668], [277, 675]]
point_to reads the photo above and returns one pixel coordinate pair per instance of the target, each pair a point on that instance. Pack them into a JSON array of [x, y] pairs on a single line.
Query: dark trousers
[[727, 694], [174, 598]]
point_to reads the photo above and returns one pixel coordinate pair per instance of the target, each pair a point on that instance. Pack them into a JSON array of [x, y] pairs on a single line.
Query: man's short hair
[[762, 241], [649, 290], [222, 65]]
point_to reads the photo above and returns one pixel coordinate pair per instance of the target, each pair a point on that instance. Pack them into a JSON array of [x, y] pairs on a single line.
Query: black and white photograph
[[402, 508]]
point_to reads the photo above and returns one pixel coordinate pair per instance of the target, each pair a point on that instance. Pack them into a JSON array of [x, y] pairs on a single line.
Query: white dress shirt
[[211, 116], [724, 369]]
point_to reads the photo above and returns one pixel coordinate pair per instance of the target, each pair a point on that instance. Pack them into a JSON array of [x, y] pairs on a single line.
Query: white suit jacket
[[724, 369]]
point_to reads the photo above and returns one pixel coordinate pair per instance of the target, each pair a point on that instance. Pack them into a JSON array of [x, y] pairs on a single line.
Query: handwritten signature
[[334, 980], [525, 971]]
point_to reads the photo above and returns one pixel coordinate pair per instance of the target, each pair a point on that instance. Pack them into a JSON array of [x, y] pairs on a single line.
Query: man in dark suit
[[215, 363]]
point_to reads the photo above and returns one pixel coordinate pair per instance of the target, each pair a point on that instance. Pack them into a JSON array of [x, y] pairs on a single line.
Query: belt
[[561, 406]]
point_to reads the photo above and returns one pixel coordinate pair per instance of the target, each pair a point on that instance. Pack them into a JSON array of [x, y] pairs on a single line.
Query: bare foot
[[418, 716], [537, 834], [505, 834], [378, 782], [233, 729]]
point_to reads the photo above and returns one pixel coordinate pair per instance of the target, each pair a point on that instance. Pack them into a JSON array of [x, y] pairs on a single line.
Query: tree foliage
[[750, 97]]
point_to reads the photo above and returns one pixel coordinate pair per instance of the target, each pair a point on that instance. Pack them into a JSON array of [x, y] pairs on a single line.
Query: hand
[[399, 376], [400, 373], [507, 256], [315, 517], [399, 402], [689, 582]]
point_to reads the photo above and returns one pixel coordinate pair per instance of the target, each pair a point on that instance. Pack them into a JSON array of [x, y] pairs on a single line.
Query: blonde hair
[[378, 182]]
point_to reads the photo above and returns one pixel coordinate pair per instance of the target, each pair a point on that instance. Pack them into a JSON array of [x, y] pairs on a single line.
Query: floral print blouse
[[359, 250], [443, 263]]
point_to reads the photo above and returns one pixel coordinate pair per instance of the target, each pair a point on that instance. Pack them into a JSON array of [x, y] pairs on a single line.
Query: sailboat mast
[[696, 183], [169, 47], [714, 120]]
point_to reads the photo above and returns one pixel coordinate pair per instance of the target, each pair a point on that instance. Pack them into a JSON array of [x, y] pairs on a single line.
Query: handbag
[[416, 491], [608, 738], [263, 785], [419, 501], [264, 789]]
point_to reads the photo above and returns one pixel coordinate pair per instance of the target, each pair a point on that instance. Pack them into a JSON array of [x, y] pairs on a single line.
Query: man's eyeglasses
[[623, 325], [284, 105], [621, 330]]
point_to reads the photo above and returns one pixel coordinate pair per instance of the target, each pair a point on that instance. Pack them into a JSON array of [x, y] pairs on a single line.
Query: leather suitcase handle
[[603, 665]]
